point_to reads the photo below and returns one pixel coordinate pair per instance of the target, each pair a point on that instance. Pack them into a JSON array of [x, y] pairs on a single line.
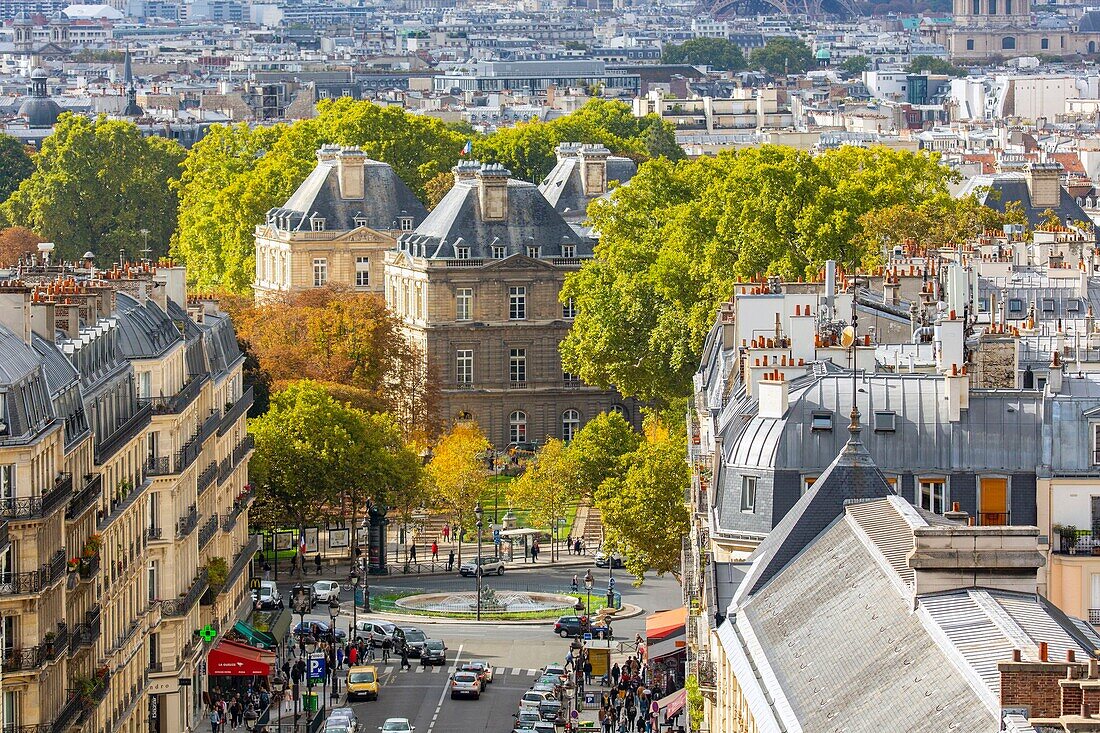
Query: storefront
[[666, 649]]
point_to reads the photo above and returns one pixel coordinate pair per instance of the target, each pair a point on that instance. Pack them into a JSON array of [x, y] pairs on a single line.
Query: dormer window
[[462, 253], [406, 223], [1048, 305], [498, 252], [822, 421], [1073, 305], [317, 223], [569, 250], [1015, 305], [533, 252], [360, 222]]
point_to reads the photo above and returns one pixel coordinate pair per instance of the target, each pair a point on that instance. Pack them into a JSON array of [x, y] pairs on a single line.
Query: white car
[[396, 725], [325, 590], [532, 699]]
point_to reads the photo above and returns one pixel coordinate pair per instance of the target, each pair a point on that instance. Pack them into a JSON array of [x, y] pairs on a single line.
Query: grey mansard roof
[[564, 190], [386, 199], [145, 330], [997, 189], [531, 221], [27, 406]]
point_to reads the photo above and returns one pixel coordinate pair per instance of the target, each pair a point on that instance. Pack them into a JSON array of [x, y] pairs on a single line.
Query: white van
[[267, 597]]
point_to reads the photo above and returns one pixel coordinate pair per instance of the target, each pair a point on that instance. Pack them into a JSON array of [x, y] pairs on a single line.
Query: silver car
[[465, 684], [489, 566]]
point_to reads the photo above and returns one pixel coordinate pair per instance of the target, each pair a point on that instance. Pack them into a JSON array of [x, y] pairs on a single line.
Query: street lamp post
[[477, 574], [356, 582], [588, 581], [334, 613]]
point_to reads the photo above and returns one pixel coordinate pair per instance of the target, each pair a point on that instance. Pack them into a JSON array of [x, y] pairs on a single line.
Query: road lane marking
[[446, 687]]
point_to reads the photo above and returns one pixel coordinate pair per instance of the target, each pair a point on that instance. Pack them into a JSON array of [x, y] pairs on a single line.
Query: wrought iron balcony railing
[[177, 607]]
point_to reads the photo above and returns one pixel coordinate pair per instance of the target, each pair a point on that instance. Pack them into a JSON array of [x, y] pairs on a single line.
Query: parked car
[[268, 596], [567, 626], [397, 725], [557, 670], [549, 682], [325, 590], [381, 630], [525, 720], [531, 699], [342, 720], [489, 566], [483, 669], [601, 559], [414, 639], [465, 684], [552, 711], [318, 630], [433, 652], [363, 682]]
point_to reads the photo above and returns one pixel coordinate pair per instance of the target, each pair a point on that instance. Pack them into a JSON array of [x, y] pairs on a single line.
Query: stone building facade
[[121, 434], [985, 29]]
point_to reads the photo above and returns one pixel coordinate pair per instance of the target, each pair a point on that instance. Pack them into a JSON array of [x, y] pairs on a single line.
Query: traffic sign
[[574, 714], [588, 636], [317, 667], [254, 584], [496, 536]]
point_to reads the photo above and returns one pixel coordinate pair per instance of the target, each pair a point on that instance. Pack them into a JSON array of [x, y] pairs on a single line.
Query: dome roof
[[40, 112], [39, 73]]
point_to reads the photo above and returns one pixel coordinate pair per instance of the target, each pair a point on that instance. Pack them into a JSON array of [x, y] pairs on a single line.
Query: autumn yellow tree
[[457, 474], [551, 482]]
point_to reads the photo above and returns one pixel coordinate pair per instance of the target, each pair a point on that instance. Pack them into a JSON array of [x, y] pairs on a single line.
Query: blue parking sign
[[317, 667], [496, 536]]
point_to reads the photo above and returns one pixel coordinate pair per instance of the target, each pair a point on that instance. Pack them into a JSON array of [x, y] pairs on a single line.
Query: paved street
[[516, 651]]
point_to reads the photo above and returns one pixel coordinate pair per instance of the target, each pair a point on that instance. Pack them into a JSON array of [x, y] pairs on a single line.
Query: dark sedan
[[567, 626], [434, 652], [318, 630]]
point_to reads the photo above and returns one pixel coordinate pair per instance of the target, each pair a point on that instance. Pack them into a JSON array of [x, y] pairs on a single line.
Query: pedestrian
[[451, 561], [215, 720], [267, 570], [535, 551], [435, 551], [353, 655], [412, 554], [236, 713], [569, 543], [578, 547], [286, 669], [317, 562], [288, 699], [446, 532], [387, 644], [339, 657], [405, 657], [587, 672]]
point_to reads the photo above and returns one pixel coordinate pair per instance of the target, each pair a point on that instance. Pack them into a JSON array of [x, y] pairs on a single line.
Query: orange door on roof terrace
[[994, 501]]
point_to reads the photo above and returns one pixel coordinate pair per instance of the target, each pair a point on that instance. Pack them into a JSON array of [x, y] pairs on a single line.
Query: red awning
[[673, 704], [228, 658], [665, 624]]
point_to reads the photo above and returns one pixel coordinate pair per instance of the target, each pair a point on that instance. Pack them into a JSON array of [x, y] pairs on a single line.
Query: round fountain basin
[[505, 601]]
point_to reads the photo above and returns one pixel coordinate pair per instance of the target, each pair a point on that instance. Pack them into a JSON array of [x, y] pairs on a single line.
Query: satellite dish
[[848, 337]]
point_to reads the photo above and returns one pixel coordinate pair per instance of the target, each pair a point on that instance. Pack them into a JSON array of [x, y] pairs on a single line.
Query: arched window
[[1092, 46], [517, 427], [570, 424], [463, 416], [620, 410], [1008, 43]]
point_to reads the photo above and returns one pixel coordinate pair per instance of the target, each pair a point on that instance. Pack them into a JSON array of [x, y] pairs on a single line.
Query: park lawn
[[497, 496]]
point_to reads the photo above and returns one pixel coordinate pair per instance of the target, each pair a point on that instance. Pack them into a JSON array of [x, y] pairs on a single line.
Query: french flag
[[302, 542], [467, 148]]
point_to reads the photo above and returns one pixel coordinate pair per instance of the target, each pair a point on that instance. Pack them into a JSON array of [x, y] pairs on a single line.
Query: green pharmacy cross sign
[[208, 633]]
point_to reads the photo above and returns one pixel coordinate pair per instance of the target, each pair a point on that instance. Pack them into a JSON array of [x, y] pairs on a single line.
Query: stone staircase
[[590, 527]]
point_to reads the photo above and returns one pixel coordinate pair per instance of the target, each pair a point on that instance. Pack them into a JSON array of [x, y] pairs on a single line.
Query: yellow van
[[363, 682]]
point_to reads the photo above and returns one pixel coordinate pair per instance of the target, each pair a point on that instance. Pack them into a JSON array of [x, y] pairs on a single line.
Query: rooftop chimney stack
[[15, 309], [351, 166], [594, 169], [1044, 185], [493, 192]]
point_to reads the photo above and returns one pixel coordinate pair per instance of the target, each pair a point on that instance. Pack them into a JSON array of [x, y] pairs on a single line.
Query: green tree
[[308, 449], [15, 165], [718, 53], [598, 448], [931, 64], [549, 485], [643, 509], [458, 475], [856, 65], [673, 243], [437, 187], [782, 56], [97, 185]]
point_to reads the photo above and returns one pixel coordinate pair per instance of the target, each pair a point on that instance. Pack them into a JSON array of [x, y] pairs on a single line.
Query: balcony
[[127, 430], [39, 506], [5, 540], [225, 468], [239, 408], [86, 497], [239, 505], [18, 584], [120, 503], [178, 607], [517, 384], [155, 533], [67, 715], [240, 564], [1094, 616], [1069, 541], [24, 660], [158, 466], [85, 634], [186, 524], [178, 402], [207, 477], [209, 529], [706, 674]]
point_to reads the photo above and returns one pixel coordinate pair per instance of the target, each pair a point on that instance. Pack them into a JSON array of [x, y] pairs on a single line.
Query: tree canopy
[[15, 165], [721, 54], [856, 64], [346, 340], [457, 473], [782, 56], [96, 186], [643, 508], [16, 242], [674, 241], [934, 65], [598, 449], [549, 484]]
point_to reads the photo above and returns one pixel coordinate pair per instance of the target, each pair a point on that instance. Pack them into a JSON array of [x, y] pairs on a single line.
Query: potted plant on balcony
[[74, 563], [1067, 533], [217, 572]]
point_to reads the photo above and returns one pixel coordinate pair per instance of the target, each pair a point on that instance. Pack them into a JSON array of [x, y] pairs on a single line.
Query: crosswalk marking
[[391, 669], [532, 672], [436, 670]]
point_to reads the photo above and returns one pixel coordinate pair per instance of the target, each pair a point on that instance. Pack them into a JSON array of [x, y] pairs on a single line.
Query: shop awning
[[275, 624], [665, 624], [255, 637], [230, 659], [666, 648], [672, 704]]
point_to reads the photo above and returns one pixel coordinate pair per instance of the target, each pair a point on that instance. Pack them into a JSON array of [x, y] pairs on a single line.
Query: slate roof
[[145, 331], [1090, 22], [386, 199], [564, 189], [531, 221], [851, 476], [996, 190], [27, 404]]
